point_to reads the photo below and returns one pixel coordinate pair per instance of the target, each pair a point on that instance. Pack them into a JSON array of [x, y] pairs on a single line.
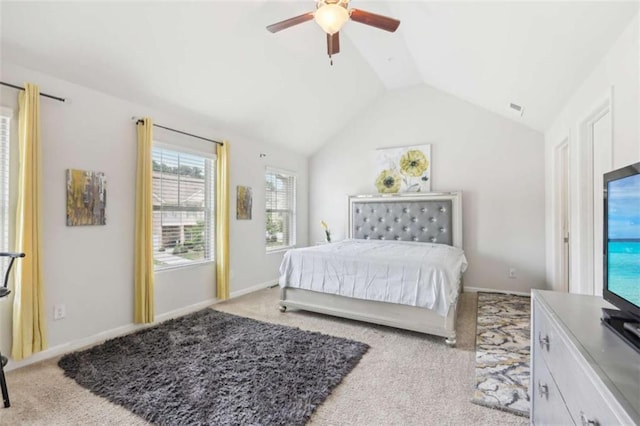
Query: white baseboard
[[105, 335], [185, 310], [252, 289], [125, 329], [74, 345], [493, 290]]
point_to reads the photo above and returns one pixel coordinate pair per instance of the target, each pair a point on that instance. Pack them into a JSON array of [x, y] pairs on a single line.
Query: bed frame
[[426, 217]]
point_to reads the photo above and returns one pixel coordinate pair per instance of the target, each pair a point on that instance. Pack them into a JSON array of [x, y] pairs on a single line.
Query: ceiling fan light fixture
[[331, 17]]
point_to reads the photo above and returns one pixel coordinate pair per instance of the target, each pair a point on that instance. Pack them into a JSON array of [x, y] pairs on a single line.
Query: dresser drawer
[[570, 373], [548, 406]]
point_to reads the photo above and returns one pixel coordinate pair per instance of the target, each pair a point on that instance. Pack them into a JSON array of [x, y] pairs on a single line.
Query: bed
[[401, 266]]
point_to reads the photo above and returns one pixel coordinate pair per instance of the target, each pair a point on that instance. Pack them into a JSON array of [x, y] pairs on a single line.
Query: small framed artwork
[[403, 169], [243, 203], [86, 198]]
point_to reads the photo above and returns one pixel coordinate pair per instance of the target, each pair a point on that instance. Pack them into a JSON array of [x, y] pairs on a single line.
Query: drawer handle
[[544, 341], [585, 421], [543, 390]]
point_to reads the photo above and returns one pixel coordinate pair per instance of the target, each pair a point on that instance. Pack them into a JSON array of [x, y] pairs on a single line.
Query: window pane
[[183, 208], [279, 209], [277, 229]]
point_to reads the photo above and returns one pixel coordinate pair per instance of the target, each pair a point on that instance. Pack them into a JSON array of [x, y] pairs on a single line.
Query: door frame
[[583, 259], [557, 232]]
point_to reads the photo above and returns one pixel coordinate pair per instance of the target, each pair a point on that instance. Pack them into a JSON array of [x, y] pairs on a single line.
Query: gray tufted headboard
[[425, 217]]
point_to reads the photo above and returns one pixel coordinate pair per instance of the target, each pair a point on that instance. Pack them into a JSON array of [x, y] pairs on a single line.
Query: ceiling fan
[[331, 15]]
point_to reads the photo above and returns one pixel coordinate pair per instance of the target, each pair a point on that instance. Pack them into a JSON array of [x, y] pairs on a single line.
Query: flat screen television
[[622, 247]]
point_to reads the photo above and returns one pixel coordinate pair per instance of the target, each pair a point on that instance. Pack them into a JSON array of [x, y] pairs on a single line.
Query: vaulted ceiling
[[216, 59]]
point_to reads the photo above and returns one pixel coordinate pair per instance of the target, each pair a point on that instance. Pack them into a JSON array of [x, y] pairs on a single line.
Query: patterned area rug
[[213, 368], [502, 352]]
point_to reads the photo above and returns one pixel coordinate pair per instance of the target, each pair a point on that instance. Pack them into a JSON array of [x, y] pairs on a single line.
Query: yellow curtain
[[144, 286], [29, 334], [222, 221]]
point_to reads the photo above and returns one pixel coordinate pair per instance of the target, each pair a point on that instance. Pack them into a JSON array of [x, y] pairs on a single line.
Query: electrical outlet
[[231, 274], [512, 273], [59, 311]]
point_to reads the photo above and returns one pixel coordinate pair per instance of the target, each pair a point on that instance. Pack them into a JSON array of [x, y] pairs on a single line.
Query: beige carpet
[[404, 379]]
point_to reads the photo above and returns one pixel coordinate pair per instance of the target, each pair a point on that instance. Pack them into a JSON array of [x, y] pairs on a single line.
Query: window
[[183, 208], [5, 123], [280, 209]]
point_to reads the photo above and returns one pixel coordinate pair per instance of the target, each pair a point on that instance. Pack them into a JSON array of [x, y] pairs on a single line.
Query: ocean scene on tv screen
[[624, 238]]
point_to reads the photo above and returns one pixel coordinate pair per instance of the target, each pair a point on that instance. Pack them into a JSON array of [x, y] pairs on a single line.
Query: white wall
[[90, 268], [618, 75], [497, 163]]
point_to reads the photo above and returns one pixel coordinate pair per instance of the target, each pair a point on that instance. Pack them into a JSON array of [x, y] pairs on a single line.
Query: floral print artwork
[[388, 181], [404, 169], [413, 163]]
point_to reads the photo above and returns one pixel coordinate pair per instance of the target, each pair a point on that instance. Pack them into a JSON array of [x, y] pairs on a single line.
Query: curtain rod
[[41, 94], [139, 120]]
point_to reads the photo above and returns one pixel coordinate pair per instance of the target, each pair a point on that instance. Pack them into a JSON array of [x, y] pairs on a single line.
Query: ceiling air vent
[[516, 109]]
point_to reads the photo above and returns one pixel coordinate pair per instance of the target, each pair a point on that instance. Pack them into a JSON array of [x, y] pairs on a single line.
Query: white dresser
[[581, 372]]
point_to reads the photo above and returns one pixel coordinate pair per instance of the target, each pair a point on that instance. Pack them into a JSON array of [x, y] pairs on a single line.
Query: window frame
[[210, 188], [292, 199], [7, 193]]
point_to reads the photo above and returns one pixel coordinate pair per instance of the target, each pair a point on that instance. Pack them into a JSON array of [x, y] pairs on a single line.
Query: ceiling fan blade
[[282, 25], [378, 21], [333, 44]]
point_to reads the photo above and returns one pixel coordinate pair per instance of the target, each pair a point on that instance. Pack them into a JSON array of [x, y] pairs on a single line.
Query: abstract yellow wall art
[[86, 198], [244, 203]]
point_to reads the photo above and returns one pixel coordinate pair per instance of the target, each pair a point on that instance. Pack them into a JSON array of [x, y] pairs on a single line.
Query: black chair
[[4, 291]]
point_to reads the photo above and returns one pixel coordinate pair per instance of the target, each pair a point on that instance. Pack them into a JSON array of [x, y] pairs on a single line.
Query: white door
[[601, 129]]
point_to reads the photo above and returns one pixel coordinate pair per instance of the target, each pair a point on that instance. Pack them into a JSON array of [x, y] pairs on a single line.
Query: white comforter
[[409, 273]]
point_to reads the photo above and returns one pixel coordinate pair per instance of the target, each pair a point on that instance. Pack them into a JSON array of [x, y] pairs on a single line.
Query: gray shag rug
[[212, 368], [502, 352]]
